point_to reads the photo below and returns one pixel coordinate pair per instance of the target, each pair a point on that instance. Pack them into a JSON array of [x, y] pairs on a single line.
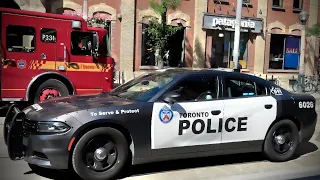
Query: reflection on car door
[[192, 123], [248, 112]]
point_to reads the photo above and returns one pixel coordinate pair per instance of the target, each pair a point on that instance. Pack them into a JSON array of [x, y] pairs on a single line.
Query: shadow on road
[[305, 148], [308, 178], [158, 167], [150, 168]]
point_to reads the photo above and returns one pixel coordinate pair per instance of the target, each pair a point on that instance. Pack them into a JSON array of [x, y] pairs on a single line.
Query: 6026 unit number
[[306, 104]]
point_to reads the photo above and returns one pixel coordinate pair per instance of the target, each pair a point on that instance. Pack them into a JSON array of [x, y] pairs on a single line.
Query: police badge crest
[[165, 115]]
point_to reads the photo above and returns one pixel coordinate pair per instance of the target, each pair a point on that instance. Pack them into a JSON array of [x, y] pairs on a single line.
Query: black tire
[[269, 147], [117, 138], [48, 84], [309, 87], [295, 86]]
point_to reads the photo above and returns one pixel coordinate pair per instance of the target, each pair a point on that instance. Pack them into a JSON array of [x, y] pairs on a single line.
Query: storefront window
[[147, 52], [174, 49], [284, 52], [222, 49]]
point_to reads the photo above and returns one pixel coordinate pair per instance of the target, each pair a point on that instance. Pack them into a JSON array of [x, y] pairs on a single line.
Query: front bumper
[[49, 151], [45, 150]]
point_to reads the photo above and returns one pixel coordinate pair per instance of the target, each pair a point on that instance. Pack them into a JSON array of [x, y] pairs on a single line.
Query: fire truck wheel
[[50, 88], [100, 154]]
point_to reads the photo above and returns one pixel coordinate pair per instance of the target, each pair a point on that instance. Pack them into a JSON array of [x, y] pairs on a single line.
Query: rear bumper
[[307, 131]]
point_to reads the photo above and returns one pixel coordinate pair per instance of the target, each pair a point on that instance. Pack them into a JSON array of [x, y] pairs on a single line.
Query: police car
[[163, 115]]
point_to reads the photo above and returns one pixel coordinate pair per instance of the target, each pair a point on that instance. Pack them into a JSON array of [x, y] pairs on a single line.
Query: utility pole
[[85, 10], [301, 63], [237, 36], [303, 17]]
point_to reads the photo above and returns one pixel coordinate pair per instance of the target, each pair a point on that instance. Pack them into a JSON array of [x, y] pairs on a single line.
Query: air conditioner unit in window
[[221, 1]]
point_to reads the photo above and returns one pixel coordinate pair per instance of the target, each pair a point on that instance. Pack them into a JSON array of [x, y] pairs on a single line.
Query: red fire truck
[[47, 55]]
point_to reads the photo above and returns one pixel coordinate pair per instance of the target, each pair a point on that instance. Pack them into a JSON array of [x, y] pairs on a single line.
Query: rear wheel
[[281, 141], [49, 89], [100, 154]]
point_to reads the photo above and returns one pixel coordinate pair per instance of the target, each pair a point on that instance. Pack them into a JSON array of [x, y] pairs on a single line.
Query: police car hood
[[59, 106]]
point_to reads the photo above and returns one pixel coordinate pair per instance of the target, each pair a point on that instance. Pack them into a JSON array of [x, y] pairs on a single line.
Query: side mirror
[[171, 97], [95, 44]]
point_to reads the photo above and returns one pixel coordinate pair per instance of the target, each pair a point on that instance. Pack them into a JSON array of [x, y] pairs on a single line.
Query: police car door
[[192, 123], [248, 113]]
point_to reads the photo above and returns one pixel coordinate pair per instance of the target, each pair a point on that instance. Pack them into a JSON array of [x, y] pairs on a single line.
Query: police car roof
[[188, 71], [218, 71]]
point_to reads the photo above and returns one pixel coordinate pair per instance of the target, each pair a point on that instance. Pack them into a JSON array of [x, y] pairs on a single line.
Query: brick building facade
[[207, 39]]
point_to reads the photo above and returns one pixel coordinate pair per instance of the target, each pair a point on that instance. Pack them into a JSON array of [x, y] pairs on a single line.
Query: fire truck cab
[[47, 55]]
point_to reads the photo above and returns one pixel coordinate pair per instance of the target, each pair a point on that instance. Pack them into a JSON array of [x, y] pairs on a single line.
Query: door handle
[[268, 106], [216, 112]]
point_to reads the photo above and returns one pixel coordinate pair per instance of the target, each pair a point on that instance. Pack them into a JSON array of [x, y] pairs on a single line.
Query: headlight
[[52, 127]]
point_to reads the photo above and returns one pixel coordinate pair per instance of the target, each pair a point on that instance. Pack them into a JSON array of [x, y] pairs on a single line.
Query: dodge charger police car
[[163, 115]]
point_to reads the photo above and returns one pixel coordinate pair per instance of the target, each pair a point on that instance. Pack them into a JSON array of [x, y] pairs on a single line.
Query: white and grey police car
[[163, 115]]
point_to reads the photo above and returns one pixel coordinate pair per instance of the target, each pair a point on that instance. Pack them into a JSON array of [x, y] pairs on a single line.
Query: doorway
[[176, 48], [222, 49]]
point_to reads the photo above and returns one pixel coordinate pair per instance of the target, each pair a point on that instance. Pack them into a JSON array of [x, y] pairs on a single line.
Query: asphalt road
[[306, 165]]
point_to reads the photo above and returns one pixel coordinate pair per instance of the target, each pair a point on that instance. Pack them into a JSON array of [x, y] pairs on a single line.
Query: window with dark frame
[[80, 42], [277, 3], [147, 52], [279, 48], [237, 88], [48, 35], [297, 4], [20, 39], [108, 44]]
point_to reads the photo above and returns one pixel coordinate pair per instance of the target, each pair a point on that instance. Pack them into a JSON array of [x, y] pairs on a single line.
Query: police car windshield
[[145, 87]]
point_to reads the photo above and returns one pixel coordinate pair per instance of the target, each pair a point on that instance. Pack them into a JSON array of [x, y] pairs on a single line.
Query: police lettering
[[198, 126]]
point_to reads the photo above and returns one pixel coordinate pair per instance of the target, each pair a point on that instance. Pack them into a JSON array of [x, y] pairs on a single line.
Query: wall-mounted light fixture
[[260, 12], [219, 6], [247, 6], [221, 35], [119, 16]]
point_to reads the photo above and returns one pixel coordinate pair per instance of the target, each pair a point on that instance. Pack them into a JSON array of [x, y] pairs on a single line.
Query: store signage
[[220, 21], [227, 23]]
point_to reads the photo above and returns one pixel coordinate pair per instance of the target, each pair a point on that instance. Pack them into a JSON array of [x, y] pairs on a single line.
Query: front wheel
[[100, 154], [281, 141]]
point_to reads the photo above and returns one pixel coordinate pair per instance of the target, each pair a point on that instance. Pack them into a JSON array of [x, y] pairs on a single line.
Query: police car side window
[[243, 88], [197, 88]]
